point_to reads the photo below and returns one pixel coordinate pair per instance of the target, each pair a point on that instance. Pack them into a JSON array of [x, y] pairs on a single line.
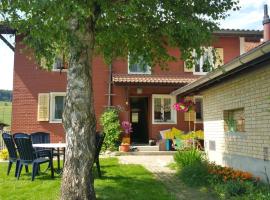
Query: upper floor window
[[60, 63], [57, 101], [138, 67], [162, 112], [206, 63], [202, 65]]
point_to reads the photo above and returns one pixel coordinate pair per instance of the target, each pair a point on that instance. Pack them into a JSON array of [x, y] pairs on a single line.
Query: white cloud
[[249, 16]]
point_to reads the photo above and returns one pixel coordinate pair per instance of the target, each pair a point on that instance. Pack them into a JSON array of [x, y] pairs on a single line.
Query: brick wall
[[29, 80], [250, 91]]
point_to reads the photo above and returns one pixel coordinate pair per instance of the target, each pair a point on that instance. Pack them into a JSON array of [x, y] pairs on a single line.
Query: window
[[57, 102], [59, 64], [139, 67], [234, 120], [202, 64], [162, 112], [198, 101]]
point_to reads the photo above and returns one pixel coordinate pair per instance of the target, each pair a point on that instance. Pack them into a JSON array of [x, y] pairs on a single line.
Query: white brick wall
[[250, 91]]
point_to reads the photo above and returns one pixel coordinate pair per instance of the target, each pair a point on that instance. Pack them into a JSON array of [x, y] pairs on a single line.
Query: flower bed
[[226, 182]]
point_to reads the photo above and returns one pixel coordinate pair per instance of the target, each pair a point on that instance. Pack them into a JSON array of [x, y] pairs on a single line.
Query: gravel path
[[158, 166]]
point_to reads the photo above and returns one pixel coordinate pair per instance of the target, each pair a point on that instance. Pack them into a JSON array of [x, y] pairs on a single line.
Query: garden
[[227, 183]]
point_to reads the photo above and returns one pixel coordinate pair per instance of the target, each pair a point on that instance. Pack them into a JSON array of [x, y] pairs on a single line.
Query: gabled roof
[[249, 60], [143, 79]]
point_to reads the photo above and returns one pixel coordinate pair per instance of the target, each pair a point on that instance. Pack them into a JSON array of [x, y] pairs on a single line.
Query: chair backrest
[[99, 142], [40, 137], [24, 146], [10, 146]]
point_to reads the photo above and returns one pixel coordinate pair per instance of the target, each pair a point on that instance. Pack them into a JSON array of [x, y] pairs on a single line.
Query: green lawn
[[5, 112], [131, 182]]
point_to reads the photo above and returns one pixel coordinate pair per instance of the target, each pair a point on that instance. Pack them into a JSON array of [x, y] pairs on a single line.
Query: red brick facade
[[29, 81]]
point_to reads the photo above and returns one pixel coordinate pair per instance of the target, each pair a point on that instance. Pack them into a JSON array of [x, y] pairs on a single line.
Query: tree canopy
[[141, 28], [79, 29]]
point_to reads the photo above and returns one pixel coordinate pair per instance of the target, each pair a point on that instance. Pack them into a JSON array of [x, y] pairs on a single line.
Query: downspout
[[110, 87]]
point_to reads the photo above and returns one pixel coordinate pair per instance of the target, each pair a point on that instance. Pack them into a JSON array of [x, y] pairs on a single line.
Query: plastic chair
[[12, 152], [42, 138], [99, 142], [30, 156]]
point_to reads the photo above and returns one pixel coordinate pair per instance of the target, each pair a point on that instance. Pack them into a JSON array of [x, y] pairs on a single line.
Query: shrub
[[195, 174], [111, 126], [235, 188], [188, 157], [4, 154]]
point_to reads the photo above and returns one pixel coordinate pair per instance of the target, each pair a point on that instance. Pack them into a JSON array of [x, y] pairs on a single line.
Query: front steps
[[143, 149]]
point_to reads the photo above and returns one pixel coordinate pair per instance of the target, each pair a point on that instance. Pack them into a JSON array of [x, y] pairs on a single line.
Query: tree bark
[[79, 117]]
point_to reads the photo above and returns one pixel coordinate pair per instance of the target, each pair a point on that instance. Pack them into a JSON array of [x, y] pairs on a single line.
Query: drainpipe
[[110, 87]]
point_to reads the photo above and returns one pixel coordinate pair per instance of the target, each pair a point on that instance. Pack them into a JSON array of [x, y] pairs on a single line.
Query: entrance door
[[139, 119]]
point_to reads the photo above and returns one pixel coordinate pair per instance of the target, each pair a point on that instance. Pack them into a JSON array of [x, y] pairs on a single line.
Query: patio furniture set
[[35, 149]]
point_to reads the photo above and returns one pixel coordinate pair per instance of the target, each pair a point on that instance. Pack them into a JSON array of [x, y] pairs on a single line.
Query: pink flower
[[183, 106], [127, 126]]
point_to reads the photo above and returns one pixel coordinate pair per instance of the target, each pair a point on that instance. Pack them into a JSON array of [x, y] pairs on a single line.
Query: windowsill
[[58, 70], [236, 134], [146, 73], [200, 73], [55, 121], [164, 123]]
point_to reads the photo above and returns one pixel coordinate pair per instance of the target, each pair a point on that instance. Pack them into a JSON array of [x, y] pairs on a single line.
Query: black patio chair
[[12, 152], [42, 138], [30, 156], [99, 142]]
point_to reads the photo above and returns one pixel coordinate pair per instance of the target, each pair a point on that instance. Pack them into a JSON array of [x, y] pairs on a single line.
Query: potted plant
[[125, 144], [231, 123]]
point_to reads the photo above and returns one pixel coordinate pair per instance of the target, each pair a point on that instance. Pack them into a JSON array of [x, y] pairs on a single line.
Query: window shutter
[[190, 116], [220, 57], [43, 107], [187, 69]]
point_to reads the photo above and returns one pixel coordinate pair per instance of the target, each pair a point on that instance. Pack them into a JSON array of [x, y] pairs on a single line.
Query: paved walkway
[[158, 166]]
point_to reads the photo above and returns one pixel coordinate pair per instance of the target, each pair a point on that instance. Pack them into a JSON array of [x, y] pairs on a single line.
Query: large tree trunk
[[79, 118]]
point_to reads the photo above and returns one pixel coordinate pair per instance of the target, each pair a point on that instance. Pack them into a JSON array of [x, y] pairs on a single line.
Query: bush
[[111, 126], [195, 174], [4, 154], [235, 188], [188, 157]]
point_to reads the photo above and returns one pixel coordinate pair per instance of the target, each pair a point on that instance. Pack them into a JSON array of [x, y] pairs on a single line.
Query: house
[[236, 109], [142, 92]]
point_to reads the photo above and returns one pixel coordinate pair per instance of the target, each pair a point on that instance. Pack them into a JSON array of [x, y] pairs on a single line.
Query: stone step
[[144, 148], [144, 153]]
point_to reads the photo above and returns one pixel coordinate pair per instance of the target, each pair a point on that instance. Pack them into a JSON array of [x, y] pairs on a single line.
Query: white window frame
[[149, 71], [173, 112], [57, 70], [52, 106], [201, 62], [194, 100]]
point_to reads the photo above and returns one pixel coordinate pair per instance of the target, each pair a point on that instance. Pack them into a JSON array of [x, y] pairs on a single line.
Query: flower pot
[[124, 147]]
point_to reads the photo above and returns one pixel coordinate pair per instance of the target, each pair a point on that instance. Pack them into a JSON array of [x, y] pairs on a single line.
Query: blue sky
[[248, 17]]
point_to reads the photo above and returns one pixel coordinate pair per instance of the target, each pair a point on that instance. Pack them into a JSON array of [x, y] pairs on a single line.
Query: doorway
[[139, 119]]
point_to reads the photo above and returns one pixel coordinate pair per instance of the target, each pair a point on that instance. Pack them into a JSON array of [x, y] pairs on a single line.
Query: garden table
[[52, 146]]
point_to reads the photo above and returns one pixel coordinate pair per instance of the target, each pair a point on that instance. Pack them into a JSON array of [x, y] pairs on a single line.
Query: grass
[[131, 182], [5, 112]]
